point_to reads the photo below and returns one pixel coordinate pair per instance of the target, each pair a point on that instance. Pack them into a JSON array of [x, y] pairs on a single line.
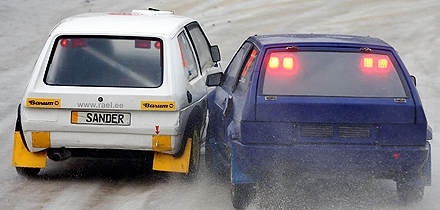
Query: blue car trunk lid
[[334, 110], [335, 120]]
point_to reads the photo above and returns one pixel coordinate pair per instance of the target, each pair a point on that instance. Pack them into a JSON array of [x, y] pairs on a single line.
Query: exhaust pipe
[[59, 154]]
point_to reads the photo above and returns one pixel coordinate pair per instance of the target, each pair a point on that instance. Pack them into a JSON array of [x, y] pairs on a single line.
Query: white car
[[117, 84]]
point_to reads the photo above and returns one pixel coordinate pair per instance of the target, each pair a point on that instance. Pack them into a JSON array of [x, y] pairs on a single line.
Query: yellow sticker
[[158, 105], [43, 102]]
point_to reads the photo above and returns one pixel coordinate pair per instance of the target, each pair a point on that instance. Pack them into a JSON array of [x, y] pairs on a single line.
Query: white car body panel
[[144, 123]]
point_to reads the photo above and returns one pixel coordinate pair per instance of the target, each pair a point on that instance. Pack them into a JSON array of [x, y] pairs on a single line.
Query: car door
[[197, 60], [194, 85], [230, 99]]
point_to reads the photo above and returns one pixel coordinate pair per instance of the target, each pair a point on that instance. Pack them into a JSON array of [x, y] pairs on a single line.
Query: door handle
[[189, 96], [227, 104], [224, 102]]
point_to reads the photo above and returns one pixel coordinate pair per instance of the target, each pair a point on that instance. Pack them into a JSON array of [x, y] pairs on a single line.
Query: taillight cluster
[[375, 63], [282, 61], [146, 44], [75, 43]]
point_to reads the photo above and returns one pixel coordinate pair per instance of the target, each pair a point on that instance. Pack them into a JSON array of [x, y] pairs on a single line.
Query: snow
[[410, 26]]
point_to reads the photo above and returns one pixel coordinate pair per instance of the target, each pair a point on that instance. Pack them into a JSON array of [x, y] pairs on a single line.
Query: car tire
[[242, 195], [194, 160], [29, 172], [409, 194]]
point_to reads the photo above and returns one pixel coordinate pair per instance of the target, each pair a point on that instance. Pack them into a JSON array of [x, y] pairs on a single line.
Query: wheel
[[408, 194], [194, 158], [29, 172], [242, 195]]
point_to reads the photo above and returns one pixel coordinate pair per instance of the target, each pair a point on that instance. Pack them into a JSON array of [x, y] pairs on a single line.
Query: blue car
[[317, 105]]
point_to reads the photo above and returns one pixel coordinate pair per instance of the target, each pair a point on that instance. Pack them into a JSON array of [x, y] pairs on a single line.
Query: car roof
[[138, 22], [316, 39]]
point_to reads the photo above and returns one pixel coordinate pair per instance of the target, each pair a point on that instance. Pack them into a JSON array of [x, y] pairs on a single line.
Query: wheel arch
[[196, 119], [19, 128]]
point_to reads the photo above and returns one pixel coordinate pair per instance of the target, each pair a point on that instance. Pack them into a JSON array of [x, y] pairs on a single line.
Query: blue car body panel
[[254, 135]]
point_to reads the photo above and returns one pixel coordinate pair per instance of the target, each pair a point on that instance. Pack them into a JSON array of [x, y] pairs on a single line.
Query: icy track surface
[[412, 27]]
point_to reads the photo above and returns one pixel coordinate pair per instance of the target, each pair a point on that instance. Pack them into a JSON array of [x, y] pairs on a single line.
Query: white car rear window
[[105, 62]]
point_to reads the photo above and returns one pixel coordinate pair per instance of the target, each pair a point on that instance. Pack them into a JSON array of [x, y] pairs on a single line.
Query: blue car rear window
[[329, 73]]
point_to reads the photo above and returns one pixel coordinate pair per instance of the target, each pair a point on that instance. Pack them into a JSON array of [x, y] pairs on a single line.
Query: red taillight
[[282, 62], [375, 63], [367, 62], [64, 42], [157, 45], [142, 44], [382, 63], [274, 62], [288, 63], [78, 43]]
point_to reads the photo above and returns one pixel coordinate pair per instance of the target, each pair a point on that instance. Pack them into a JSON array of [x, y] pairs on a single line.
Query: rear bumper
[[165, 142], [147, 131], [252, 163]]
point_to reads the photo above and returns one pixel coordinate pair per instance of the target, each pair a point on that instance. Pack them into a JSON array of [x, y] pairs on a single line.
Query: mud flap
[[21, 157], [167, 162], [238, 177], [426, 170]]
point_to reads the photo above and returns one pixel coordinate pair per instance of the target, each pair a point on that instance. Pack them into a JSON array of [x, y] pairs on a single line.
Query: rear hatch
[[102, 85], [336, 96]]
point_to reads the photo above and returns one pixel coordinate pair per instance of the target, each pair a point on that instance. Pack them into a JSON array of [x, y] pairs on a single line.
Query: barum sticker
[[156, 105], [43, 102]]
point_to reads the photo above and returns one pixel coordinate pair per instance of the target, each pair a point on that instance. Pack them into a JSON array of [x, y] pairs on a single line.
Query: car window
[[245, 75], [329, 73], [188, 60], [201, 45], [234, 67], [105, 62]]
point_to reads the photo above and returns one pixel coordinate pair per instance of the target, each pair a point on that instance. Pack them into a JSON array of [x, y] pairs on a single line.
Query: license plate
[[100, 118]]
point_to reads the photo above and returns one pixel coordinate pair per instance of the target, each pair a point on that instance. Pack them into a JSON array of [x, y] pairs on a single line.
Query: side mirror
[[215, 79], [215, 53], [413, 78]]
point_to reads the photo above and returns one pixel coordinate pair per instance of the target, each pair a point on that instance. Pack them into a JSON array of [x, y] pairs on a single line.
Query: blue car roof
[[317, 39]]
